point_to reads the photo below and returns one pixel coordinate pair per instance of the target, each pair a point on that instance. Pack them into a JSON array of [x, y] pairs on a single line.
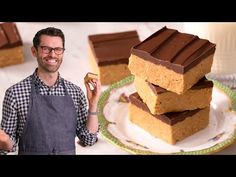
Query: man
[[43, 113]]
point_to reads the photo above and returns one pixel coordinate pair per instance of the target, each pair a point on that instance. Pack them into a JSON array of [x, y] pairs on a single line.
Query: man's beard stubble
[[49, 68]]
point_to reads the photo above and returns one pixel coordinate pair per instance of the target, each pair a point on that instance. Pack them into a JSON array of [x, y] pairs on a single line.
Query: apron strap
[[34, 88], [64, 86]]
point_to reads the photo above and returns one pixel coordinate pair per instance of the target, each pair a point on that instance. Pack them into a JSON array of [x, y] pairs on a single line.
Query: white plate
[[117, 128]]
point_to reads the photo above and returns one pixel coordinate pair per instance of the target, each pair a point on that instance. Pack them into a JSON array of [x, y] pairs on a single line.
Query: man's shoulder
[[21, 85]]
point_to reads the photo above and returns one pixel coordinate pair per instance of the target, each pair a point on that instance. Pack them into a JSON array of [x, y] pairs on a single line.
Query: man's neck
[[48, 78]]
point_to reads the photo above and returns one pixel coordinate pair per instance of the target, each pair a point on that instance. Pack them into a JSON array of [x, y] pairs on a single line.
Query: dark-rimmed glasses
[[57, 50]]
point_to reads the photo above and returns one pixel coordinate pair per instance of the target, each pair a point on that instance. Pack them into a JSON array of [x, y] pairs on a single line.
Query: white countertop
[[75, 64]]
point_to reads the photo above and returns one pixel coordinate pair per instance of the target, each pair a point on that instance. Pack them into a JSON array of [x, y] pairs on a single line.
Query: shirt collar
[[39, 81]]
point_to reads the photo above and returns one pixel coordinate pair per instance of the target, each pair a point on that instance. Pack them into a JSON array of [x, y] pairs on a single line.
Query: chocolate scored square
[[172, 60], [109, 54]]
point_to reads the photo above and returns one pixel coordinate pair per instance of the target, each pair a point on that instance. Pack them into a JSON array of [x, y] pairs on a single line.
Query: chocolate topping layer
[[202, 83], [9, 36], [169, 118], [174, 50], [113, 48]]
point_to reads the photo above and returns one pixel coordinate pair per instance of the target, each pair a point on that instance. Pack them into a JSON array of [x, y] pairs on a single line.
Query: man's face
[[49, 60]]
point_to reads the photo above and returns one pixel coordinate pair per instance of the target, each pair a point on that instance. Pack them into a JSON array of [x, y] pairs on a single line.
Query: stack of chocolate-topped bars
[[173, 96]]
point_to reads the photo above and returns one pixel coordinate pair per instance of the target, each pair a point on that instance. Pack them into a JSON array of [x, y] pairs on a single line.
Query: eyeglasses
[[57, 50]]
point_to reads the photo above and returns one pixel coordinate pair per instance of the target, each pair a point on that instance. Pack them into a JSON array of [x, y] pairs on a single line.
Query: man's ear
[[34, 51]]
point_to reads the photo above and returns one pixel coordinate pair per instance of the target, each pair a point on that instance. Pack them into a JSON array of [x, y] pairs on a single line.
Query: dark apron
[[50, 126]]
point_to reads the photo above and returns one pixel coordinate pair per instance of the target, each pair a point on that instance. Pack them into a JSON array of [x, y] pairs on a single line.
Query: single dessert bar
[[160, 101], [11, 46], [109, 55], [172, 60], [170, 127], [90, 76]]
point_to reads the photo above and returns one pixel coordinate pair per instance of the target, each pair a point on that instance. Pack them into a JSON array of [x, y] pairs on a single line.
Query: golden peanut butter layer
[[108, 74], [170, 127], [90, 76], [168, 79], [172, 60], [11, 56], [160, 101], [109, 54]]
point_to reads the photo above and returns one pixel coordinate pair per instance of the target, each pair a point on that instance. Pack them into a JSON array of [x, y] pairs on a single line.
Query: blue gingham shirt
[[16, 104]]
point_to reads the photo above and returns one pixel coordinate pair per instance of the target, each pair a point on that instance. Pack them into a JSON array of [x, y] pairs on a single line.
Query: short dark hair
[[50, 31]]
